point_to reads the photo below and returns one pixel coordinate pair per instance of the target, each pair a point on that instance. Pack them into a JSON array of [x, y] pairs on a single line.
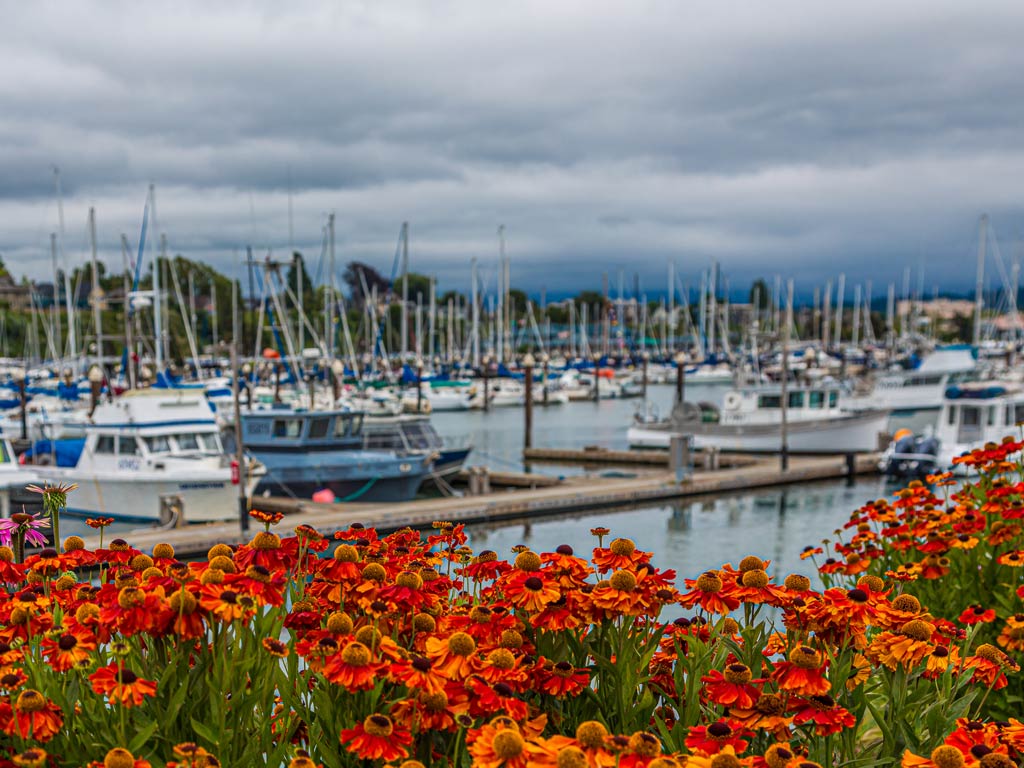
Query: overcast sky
[[800, 139]]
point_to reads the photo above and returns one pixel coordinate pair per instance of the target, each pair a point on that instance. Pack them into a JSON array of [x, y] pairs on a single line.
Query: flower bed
[[415, 650]]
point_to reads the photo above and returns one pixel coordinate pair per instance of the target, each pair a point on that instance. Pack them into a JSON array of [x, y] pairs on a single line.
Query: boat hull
[[350, 475], [393, 489], [135, 497], [856, 434]]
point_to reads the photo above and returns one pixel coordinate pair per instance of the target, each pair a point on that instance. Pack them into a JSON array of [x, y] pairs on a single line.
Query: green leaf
[[143, 736]]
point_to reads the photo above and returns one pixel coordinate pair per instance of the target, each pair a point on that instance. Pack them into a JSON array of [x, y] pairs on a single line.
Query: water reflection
[[693, 535]]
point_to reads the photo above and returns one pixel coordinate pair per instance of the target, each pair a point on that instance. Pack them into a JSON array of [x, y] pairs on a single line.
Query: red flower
[[711, 739], [121, 686], [977, 614], [731, 689], [33, 715], [377, 738], [827, 716]]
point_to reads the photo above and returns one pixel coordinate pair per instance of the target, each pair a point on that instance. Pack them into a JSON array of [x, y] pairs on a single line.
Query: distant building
[[11, 294], [941, 314], [937, 309]]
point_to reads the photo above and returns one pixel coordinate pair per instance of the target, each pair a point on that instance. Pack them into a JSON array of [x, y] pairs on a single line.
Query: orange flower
[[499, 744], [710, 593], [353, 668], [226, 603], [453, 657], [803, 673], [713, 738], [531, 591], [33, 715], [121, 686], [377, 738], [827, 716], [731, 688], [68, 650]]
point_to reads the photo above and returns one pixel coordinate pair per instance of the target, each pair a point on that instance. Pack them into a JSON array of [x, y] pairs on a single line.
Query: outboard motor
[[910, 456]]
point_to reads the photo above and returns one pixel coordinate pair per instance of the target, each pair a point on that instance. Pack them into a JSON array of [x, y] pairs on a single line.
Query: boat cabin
[[974, 415], [289, 429], [398, 433], [764, 404]]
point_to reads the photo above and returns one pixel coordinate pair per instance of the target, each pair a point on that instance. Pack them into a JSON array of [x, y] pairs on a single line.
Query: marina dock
[[596, 454], [570, 495]]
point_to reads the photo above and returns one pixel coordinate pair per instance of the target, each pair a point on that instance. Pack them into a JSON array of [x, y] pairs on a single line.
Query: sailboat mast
[[129, 372], [979, 284], [330, 285], [55, 336], [158, 314], [432, 318], [840, 296], [68, 300], [670, 340], [97, 317], [476, 312], [405, 291]]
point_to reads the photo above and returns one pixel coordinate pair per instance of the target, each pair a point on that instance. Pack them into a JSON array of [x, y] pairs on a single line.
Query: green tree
[[760, 294]]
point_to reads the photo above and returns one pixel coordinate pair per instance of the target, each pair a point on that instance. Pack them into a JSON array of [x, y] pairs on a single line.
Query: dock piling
[[679, 456]]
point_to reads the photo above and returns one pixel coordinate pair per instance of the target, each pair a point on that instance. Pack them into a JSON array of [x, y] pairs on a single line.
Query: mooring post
[[243, 504], [419, 385], [337, 374], [784, 399], [487, 381], [645, 358], [20, 377], [544, 360], [680, 377], [528, 363]]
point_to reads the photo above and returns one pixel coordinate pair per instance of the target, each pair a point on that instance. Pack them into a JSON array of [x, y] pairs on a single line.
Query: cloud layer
[[795, 138]]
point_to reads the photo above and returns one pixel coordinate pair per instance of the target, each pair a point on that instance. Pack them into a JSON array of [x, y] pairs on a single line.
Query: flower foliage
[[414, 650]]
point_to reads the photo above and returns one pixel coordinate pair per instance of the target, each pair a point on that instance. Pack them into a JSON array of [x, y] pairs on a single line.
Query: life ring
[[732, 401]]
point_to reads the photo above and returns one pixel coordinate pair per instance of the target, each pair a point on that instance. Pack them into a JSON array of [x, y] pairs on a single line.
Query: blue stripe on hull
[[118, 517]]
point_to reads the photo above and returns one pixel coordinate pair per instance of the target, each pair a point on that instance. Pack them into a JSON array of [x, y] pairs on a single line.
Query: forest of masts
[[369, 318]]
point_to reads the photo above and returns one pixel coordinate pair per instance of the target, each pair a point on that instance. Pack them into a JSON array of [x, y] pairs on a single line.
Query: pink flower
[[30, 524]]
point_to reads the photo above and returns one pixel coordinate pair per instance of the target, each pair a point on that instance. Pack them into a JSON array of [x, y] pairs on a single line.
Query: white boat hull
[[840, 435], [207, 496]]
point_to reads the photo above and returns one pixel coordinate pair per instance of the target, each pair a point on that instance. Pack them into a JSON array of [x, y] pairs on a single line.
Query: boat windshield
[[348, 425], [158, 444], [5, 455], [184, 442], [417, 436]]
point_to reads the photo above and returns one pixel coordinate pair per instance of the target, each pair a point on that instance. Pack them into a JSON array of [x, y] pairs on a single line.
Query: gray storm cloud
[[795, 138]]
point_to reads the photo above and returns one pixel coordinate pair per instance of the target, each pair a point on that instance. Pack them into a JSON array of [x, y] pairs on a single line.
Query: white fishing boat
[[572, 384], [922, 388], [444, 396], [148, 448], [372, 402], [13, 478], [46, 418], [505, 393], [708, 383], [552, 394], [750, 420], [974, 414]]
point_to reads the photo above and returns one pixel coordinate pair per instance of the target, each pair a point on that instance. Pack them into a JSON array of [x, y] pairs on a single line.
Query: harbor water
[[497, 435], [694, 535]]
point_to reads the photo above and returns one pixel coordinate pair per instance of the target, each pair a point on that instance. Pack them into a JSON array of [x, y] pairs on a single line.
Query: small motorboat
[[910, 456]]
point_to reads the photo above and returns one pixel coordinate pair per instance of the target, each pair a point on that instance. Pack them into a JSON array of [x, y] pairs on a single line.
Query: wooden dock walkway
[[647, 457], [571, 495]]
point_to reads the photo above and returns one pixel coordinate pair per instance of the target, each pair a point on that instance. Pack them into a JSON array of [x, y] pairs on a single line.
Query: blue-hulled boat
[[309, 451]]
